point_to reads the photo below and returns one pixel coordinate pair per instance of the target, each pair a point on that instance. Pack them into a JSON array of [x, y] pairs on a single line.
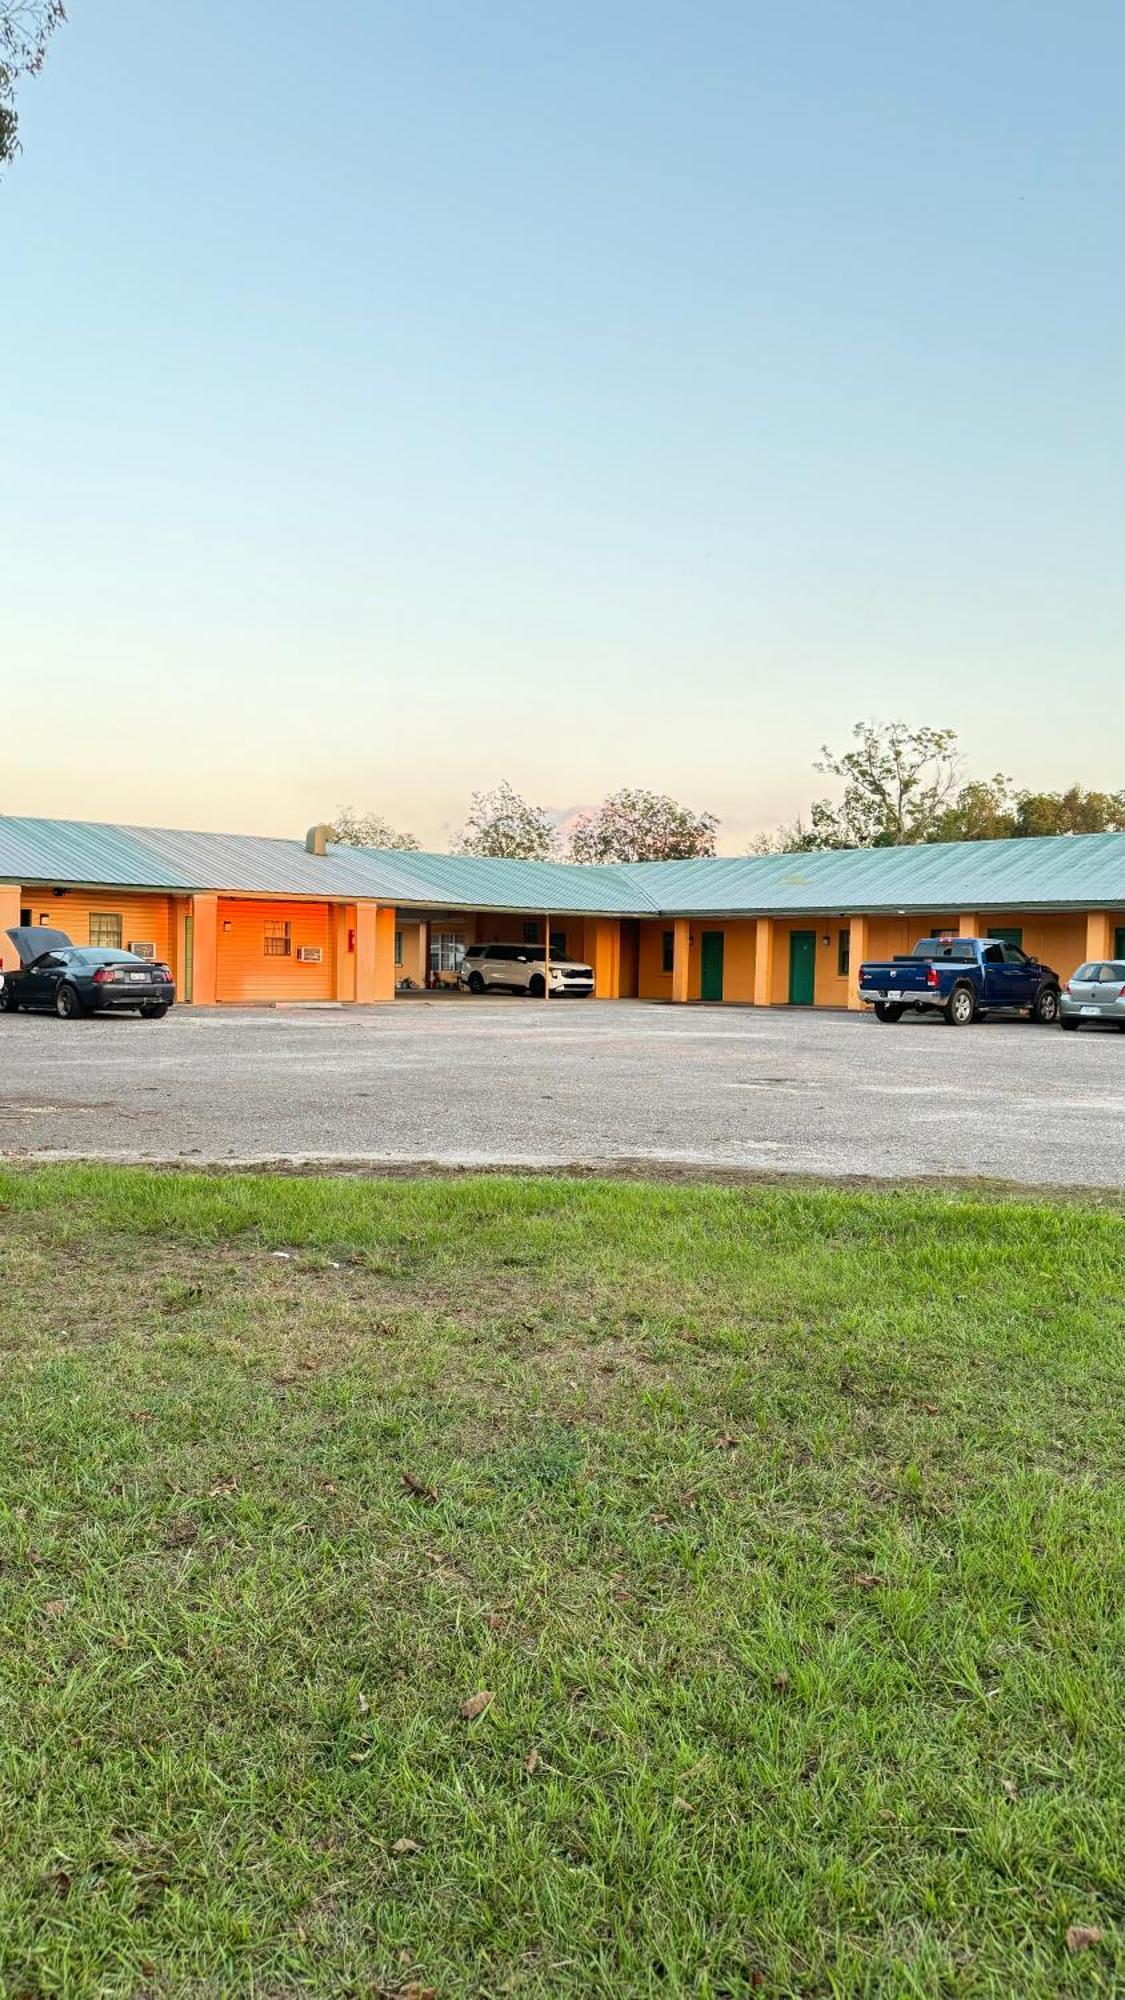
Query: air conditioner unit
[[309, 954]]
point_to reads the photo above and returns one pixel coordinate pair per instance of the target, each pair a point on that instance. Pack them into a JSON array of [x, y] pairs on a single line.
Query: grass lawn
[[783, 1529]]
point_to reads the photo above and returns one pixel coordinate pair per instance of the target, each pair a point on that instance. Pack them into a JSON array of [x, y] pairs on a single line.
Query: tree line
[[632, 825], [902, 786]]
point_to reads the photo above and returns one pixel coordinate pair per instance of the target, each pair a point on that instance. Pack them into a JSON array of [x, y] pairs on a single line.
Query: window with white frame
[[447, 949]]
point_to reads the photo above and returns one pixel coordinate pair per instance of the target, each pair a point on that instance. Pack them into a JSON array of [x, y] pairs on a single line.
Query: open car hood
[[32, 940]]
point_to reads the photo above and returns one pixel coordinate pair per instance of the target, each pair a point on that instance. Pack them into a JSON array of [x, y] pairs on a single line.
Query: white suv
[[521, 968]]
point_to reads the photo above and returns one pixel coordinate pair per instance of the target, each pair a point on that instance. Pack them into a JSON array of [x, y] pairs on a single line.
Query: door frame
[[793, 937], [705, 938]]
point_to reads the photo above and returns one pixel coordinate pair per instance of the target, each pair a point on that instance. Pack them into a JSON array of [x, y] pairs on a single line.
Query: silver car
[[1096, 992]]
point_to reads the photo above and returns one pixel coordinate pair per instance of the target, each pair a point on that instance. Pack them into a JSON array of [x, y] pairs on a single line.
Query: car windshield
[[960, 948]]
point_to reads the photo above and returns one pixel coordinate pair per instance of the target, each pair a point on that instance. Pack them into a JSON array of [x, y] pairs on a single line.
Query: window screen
[[668, 955], [278, 938], [843, 953]]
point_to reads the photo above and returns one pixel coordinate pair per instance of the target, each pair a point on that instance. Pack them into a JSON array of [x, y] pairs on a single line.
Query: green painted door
[[711, 966], [1119, 943], [802, 968], [1002, 936]]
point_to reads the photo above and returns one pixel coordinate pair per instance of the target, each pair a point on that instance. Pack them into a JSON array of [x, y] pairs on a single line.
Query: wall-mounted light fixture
[[825, 940], [227, 924]]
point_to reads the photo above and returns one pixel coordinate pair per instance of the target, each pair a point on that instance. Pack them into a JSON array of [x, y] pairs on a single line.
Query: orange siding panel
[[144, 919], [247, 974]]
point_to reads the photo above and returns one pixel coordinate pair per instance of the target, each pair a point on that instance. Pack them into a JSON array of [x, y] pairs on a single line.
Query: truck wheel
[[1046, 1008], [476, 983], [960, 1007], [885, 1013], [537, 986]]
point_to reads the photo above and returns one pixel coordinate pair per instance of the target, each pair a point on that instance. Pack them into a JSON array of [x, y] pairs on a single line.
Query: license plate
[[139, 978], [1091, 1010]]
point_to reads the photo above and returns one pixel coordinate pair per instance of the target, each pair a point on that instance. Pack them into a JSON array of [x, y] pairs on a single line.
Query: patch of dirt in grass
[[302, 1312]]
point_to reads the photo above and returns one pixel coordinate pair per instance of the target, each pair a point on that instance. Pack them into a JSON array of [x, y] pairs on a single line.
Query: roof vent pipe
[[317, 838]]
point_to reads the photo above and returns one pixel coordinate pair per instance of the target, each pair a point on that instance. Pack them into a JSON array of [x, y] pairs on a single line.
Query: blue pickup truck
[[964, 979]]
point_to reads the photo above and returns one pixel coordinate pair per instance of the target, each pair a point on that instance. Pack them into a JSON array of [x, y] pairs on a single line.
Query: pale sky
[[398, 398]]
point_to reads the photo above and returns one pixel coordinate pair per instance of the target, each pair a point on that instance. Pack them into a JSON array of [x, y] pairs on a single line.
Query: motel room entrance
[[802, 968]]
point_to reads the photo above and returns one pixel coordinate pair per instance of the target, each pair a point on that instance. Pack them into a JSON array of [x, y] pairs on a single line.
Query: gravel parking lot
[[472, 1082]]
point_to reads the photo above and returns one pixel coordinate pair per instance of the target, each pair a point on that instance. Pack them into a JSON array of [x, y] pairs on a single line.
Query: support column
[[1099, 934], [9, 920], [681, 958], [343, 915], [857, 952], [385, 923], [204, 950], [180, 911], [763, 963], [969, 927], [374, 953], [606, 957]]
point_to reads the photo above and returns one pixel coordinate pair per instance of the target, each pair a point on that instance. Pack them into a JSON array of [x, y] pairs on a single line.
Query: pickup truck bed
[[963, 979]]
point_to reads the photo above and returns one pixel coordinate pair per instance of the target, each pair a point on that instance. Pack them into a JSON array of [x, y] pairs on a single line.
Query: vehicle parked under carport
[[73, 980]]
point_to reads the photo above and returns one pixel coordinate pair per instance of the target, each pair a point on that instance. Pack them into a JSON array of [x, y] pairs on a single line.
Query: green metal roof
[[477, 882], [1086, 871]]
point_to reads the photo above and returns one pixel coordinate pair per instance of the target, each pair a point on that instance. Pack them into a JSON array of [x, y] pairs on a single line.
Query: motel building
[[245, 921]]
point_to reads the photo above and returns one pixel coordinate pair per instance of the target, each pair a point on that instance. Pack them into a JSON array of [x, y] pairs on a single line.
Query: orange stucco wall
[[487, 927], [739, 943], [414, 951], [243, 970], [653, 983], [1058, 941]]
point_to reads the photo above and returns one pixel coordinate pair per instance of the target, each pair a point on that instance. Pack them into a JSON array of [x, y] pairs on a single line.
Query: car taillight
[[1121, 994], [933, 977], [104, 974]]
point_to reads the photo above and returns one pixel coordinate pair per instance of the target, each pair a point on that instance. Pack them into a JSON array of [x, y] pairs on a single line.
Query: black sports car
[[77, 979]]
